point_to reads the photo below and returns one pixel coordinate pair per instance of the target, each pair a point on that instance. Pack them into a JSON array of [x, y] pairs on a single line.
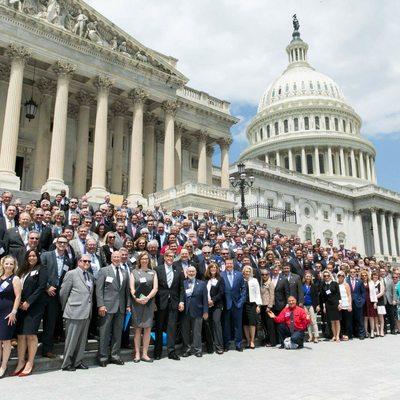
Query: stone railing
[[204, 99], [191, 188], [376, 190]]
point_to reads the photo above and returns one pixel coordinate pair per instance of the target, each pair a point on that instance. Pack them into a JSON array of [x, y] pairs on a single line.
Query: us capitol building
[[87, 108], [307, 154]]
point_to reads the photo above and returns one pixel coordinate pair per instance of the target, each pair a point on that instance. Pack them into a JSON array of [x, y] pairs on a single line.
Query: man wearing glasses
[[46, 237], [76, 299], [57, 263]]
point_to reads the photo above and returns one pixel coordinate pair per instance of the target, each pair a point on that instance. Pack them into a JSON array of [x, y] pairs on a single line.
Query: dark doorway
[[19, 167]]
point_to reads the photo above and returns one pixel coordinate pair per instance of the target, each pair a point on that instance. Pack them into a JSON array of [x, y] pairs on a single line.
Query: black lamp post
[[241, 181], [30, 105]]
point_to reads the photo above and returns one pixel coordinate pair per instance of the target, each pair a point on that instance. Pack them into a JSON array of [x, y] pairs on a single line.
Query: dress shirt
[[121, 275], [24, 234], [230, 277], [94, 265], [10, 223], [60, 264], [170, 274]]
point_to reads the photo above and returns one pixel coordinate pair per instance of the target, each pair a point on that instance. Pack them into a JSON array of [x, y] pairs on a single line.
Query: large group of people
[[69, 272]]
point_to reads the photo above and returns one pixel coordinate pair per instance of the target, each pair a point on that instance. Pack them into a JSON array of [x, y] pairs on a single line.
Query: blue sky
[[233, 49]]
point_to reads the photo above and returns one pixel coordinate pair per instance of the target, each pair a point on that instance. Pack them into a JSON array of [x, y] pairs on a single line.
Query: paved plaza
[[354, 370]]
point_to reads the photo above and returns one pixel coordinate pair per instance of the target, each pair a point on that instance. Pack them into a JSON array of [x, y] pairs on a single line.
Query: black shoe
[[173, 356], [103, 363], [150, 360], [281, 346], [220, 352], [116, 361], [239, 349], [157, 358], [362, 337], [82, 366], [198, 355], [187, 353], [70, 368]]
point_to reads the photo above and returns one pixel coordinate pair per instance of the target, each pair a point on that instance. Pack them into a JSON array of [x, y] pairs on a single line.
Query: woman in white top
[[380, 292], [251, 307], [345, 306]]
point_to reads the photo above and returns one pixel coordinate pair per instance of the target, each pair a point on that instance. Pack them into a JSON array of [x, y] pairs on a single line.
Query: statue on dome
[[296, 24]]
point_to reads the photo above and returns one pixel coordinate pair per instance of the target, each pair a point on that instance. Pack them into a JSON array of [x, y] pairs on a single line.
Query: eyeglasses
[[86, 261], [111, 237]]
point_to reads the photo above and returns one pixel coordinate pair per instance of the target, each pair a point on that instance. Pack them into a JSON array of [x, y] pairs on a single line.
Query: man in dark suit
[[58, 264], [235, 296], [58, 202], [295, 285], [16, 239], [169, 299], [161, 236], [113, 301], [204, 260], [7, 222], [196, 309], [5, 201], [358, 300], [297, 264], [46, 237]]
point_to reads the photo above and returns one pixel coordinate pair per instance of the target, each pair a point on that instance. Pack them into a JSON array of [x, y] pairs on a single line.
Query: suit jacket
[[281, 293], [33, 290], [235, 295], [76, 295], [49, 260], [162, 241], [46, 236], [196, 304], [108, 294], [296, 288], [358, 294], [75, 244], [296, 267], [13, 242], [174, 293], [217, 293], [333, 296]]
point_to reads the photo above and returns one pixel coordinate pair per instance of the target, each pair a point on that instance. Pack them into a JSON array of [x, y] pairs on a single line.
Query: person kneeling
[[293, 322]]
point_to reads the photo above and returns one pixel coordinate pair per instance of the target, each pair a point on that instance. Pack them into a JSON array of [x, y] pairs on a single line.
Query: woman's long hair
[[25, 267]]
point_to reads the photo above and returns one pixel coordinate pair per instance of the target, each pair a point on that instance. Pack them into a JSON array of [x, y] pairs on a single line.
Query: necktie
[[291, 327], [87, 280], [353, 283], [118, 277], [170, 276], [84, 246], [230, 277]]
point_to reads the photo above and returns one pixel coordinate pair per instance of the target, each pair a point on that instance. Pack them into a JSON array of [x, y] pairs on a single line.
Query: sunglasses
[[86, 261]]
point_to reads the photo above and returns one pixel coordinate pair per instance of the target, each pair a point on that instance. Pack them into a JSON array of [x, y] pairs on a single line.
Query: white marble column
[[330, 166], [43, 139], [359, 232], [375, 231], [149, 153], [353, 164], [317, 171], [278, 159], [224, 146], [55, 181], [202, 167], [178, 153], [342, 163], [392, 236], [84, 100], [373, 172], [169, 108], [384, 234], [9, 140], [209, 152], [266, 159], [119, 109], [397, 217], [135, 196], [368, 167], [362, 168], [290, 160], [4, 79], [303, 161], [98, 190]]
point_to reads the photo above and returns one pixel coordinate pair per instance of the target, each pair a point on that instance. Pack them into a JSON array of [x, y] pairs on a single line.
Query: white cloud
[[233, 49]]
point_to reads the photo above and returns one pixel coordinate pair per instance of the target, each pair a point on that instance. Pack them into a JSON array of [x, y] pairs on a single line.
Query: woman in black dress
[[33, 299], [215, 291], [331, 300], [10, 296], [108, 248]]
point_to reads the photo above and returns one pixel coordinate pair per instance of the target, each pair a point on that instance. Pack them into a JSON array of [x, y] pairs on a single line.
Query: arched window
[[306, 123], [286, 162], [285, 126], [296, 124], [308, 233], [351, 127], [310, 169], [327, 235], [341, 237], [268, 131], [327, 124], [276, 128], [344, 126], [261, 134], [350, 166], [321, 163], [317, 123], [298, 163], [336, 125]]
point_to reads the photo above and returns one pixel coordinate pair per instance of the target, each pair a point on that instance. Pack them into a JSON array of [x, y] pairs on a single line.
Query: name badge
[[328, 291], [133, 260], [33, 273], [143, 280], [287, 315], [65, 268], [109, 279], [189, 292], [2, 251], [89, 284], [150, 272], [4, 285]]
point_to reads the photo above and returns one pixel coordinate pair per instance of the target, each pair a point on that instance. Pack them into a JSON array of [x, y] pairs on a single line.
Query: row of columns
[[143, 144], [332, 157]]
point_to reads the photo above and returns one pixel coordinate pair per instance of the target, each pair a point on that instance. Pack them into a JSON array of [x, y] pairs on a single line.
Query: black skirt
[[28, 321], [333, 313], [250, 316]]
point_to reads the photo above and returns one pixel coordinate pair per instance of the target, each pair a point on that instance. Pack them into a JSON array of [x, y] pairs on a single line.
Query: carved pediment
[[85, 23]]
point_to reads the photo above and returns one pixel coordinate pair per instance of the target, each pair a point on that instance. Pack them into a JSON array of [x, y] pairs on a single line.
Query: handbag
[[381, 310]]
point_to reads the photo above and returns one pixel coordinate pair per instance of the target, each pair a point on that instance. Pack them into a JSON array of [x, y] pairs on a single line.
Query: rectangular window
[[296, 124], [268, 131], [327, 124], [310, 169], [344, 126], [339, 217], [270, 202], [306, 123], [321, 164], [91, 136], [276, 126], [194, 162], [288, 206], [326, 215], [286, 126], [336, 125], [317, 123]]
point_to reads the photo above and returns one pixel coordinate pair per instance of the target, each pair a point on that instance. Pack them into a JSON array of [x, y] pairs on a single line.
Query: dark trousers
[[276, 333], [233, 329], [213, 330], [295, 337], [356, 326], [165, 319], [345, 322], [390, 317], [191, 334], [94, 319], [269, 327], [52, 323]]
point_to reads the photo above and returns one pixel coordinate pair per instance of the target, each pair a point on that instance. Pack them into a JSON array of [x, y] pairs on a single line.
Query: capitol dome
[[304, 124]]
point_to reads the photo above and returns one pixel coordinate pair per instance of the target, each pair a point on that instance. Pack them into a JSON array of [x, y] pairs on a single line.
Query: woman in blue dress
[[10, 297]]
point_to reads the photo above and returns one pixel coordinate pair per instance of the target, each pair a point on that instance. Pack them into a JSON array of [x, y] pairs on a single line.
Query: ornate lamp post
[[241, 181]]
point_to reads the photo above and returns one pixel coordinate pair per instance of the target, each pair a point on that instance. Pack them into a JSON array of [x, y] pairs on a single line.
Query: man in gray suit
[[295, 285], [76, 300], [113, 300]]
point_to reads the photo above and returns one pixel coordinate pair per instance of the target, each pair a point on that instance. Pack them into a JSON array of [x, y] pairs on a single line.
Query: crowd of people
[[69, 272]]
